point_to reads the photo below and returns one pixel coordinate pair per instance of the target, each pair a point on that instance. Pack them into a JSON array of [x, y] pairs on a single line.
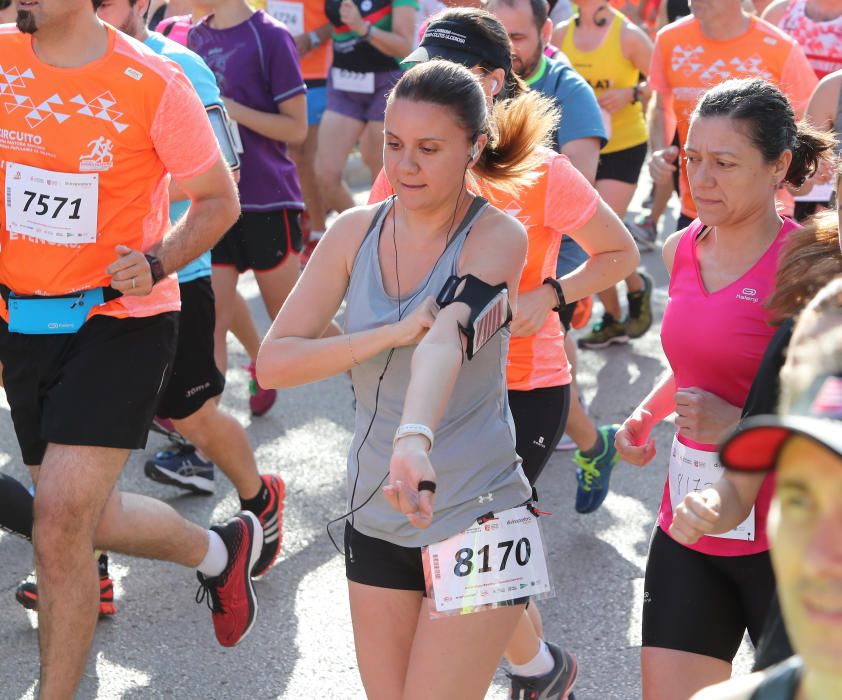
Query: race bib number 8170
[[58, 208], [498, 562]]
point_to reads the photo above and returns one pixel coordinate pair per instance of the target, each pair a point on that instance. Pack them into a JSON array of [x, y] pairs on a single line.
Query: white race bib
[[819, 193], [349, 81], [498, 562], [58, 208], [290, 13], [696, 470]]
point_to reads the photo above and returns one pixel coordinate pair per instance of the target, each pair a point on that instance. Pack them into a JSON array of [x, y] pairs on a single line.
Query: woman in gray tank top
[[409, 368]]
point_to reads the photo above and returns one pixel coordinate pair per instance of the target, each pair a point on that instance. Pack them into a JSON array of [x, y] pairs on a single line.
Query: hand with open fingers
[[130, 273], [663, 164], [410, 465], [632, 440], [350, 15], [413, 328], [704, 417], [695, 517], [532, 310], [615, 98]]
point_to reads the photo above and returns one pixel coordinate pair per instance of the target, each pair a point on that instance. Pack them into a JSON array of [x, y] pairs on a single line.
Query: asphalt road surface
[[160, 644]]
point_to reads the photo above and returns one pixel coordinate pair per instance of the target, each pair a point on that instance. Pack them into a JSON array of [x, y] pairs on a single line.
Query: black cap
[[459, 42]]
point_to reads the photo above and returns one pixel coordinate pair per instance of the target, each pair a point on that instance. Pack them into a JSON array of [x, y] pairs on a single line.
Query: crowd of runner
[[153, 151]]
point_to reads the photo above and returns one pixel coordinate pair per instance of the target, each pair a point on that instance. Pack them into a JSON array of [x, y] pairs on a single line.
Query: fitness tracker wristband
[[315, 41], [636, 94], [413, 429], [156, 267], [368, 29], [553, 282]]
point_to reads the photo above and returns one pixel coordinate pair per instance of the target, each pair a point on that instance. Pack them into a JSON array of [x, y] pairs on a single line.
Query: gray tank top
[[477, 469]]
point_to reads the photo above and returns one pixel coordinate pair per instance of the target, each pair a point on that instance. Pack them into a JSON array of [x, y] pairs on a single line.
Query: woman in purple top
[[370, 37], [254, 59]]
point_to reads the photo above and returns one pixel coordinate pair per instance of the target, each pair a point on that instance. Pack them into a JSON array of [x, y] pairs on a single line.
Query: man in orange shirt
[[717, 42], [94, 124]]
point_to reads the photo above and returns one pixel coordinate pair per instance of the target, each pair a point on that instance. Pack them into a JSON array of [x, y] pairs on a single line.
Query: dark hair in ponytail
[[515, 128], [770, 124]]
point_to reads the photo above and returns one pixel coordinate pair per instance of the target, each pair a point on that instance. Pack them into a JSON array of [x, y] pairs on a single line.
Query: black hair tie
[[427, 486]]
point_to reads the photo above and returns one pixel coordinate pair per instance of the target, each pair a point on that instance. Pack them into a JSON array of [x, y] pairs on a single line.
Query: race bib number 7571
[[498, 562], [58, 208]]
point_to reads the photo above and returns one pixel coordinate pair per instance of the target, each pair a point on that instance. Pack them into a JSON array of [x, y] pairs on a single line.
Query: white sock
[[216, 559], [542, 664]]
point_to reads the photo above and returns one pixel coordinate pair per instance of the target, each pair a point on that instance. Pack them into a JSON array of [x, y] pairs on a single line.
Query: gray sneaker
[[554, 685], [643, 230]]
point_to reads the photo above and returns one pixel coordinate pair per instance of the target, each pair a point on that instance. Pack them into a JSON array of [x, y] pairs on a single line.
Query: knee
[[59, 529], [198, 425], [328, 172]]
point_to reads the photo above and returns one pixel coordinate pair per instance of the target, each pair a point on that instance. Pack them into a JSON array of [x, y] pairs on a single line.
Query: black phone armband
[[489, 305]]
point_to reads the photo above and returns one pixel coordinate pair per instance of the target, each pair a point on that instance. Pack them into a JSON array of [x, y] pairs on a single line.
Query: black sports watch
[[553, 282], [156, 267]]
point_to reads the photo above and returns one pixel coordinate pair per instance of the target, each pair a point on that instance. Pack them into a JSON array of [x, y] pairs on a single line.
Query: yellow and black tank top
[[607, 68]]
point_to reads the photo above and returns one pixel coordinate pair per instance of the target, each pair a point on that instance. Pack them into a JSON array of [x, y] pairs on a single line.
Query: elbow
[[271, 368], [298, 134]]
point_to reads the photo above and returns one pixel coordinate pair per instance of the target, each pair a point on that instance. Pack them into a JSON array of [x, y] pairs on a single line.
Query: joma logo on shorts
[[196, 389]]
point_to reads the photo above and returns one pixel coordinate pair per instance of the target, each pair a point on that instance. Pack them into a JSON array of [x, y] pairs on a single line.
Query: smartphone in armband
[[219, 123]]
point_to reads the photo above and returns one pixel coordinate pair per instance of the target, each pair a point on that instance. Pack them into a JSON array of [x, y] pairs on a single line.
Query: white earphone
[[493, 85], [474, 152]]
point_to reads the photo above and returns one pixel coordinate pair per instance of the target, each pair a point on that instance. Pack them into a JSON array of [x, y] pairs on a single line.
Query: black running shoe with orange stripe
[[27, 592], [271, 518], [230, 596]]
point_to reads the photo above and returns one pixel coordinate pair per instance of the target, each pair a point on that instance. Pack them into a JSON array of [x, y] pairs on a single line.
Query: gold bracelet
[[351, 348]]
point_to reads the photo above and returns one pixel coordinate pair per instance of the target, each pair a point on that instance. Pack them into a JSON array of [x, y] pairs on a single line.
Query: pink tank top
[[176, 28], [715, 342], [821, 41]]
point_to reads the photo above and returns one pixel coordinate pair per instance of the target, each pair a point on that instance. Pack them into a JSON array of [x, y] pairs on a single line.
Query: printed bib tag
[[58, 208], [498, 563], [52, 315], [349, 81], [290, 13], [697, 470]]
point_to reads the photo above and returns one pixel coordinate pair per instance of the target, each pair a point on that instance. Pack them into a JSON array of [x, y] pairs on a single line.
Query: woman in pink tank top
[[702, 592]]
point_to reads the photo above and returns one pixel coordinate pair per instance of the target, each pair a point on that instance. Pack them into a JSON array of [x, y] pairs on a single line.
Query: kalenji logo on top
[[749, 294]]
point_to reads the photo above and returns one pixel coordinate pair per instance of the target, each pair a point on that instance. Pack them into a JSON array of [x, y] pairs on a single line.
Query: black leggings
[[702, 603], [15, 507], [540, 417]]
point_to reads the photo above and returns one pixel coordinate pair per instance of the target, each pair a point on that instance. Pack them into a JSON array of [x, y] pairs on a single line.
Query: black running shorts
[[375, 562], [98, 387], [259, 241], [540, 416], [702, 603], [624, 165], [195, 377]]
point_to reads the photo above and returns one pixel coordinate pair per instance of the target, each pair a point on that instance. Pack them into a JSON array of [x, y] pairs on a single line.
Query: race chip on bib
[[57, 208], [495, 563], [290, 13], [350, 81], [697, 470]]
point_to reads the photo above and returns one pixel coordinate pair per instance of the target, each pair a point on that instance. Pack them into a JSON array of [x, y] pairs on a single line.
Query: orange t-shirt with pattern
[[560, 201], [685, 63], [124, 122]]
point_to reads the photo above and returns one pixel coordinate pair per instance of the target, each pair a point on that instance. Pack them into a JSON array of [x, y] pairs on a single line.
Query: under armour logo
[[486, 498]]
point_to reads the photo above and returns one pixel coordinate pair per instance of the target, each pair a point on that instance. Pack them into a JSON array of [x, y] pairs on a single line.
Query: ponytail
[[518, 128]]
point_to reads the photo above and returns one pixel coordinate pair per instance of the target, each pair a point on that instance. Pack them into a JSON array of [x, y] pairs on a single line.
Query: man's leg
[[73, 486]]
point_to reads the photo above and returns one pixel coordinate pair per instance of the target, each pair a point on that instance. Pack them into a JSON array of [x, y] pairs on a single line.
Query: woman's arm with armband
[[438, 358], [294, 352]]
